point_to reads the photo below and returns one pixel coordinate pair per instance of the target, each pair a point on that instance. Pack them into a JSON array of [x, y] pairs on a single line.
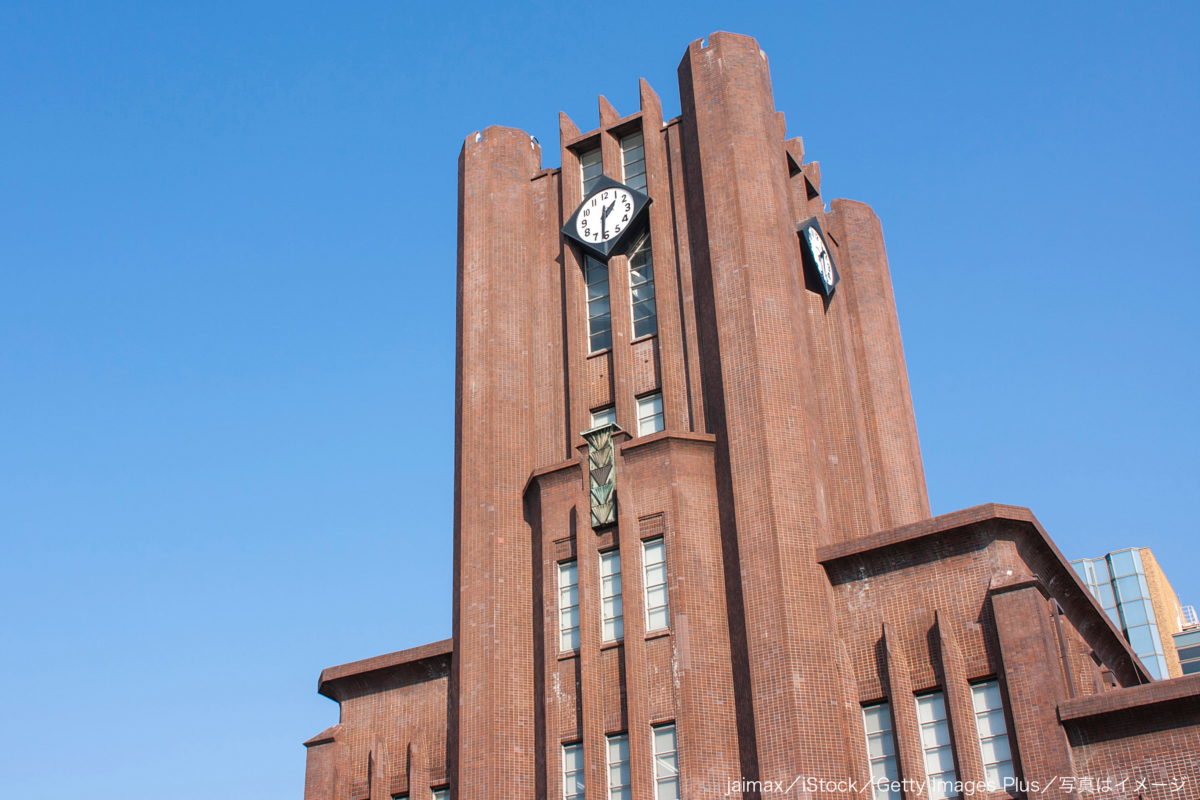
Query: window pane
[[633, 161], [1143, 640], [1187, 653], [935, 740], [991, 723], [992, 731], [641, 288], [657, 619], [930, 708], [568, 606], [590, 166], [880, 745], [618, 768], [1134, 613], [666, 763], [995, 749], [650, 416], [1000, 775], [939, 760], [572, 757], [881, 748], [611, 620], [604, 416], [1125, 562], [598, 306]]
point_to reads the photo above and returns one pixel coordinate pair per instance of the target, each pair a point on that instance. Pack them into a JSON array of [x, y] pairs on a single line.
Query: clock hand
[[604, 215]]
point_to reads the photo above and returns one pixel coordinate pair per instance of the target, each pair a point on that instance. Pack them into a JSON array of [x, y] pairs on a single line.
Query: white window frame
[[595, 278], [591, 168], [616, 748], [641, 289], [612, 616], [603, 416], [650, 414], [654, 584], [633, 160], [666, 761], [937, 746], [882, 761], [568, 606], [991, 730], [573, 771]]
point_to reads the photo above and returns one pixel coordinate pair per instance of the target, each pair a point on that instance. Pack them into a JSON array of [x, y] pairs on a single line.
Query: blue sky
[[227, 239]]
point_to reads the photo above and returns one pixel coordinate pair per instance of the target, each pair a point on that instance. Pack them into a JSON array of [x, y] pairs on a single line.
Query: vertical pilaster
[[884, 399], [899, 689], [672, 364], [959, 706], [759, 391], [493, 712], [1033, 683]]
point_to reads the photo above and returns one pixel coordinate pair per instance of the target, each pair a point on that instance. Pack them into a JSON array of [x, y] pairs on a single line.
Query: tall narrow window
[[568, 606], [666, 763], [440, 793], [935, 741], [595, 273], [654, 565], [993, 735], [881, 751], [650, 414], [612, 619], [572, 765], [641, 289], [618, 768], [604, 416], [633, 161], [590, 169]]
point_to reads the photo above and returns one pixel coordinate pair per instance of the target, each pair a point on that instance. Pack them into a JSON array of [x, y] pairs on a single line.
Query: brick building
[[693, 550]]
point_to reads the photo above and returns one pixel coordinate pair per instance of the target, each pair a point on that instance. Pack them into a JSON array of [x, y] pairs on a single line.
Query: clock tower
[[785, 425], [693, 552]]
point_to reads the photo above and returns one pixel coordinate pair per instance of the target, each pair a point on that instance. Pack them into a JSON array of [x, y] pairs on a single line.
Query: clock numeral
[[628, 207], [587, 211], [625, 218]]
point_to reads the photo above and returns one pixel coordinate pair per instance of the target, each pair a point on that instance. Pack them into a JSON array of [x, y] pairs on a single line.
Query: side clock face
[[820, 273], [605, 215], [607, 218], [821, 256]]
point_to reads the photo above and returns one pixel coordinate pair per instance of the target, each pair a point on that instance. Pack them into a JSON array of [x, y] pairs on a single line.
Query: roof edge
[[1172, 690], [364, 666]]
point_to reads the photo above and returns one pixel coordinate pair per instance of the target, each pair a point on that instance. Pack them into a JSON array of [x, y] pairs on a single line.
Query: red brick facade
[[805, 578]]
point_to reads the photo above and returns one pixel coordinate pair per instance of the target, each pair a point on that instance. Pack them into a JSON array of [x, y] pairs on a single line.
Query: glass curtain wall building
[[1118, 580]]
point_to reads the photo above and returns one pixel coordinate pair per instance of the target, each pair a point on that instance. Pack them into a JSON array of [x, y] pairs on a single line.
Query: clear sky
[[227, 238]]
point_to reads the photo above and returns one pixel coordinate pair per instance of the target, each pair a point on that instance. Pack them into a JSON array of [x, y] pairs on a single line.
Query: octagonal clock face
[[605, 215], [607, 218]]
